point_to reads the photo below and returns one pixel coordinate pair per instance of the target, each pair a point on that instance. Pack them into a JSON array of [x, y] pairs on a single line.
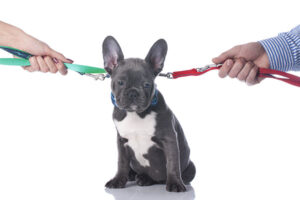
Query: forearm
[[284, 50], [9, 35]]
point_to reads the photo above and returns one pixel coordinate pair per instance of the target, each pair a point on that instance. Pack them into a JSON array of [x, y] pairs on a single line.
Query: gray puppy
[[151, 144]]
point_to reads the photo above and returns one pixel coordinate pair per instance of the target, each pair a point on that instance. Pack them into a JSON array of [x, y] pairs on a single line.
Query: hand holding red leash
[[248, 63], [243, 62]]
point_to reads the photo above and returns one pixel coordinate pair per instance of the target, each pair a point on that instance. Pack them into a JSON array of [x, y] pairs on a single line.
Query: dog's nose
[[132, 94]]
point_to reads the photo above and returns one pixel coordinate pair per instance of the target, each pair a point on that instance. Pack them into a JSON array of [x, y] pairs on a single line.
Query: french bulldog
[[152, 147]]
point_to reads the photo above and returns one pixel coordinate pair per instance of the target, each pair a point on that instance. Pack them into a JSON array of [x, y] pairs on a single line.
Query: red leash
[[288, 78], [265, 73]]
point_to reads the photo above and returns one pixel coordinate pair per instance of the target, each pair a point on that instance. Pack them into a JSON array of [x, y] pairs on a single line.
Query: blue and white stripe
[[284, 50]]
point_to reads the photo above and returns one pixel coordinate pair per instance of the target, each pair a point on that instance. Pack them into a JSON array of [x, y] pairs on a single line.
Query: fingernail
[[55, 60], [70, 60]]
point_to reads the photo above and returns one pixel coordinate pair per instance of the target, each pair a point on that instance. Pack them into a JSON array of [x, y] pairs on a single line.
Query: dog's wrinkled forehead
[[133, 69]]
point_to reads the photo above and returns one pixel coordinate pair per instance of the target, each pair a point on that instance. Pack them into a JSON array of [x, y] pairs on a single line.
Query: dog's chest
[[139, 132]]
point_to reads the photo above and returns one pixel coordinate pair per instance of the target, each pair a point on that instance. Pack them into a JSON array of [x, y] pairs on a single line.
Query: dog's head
[[132, 80]]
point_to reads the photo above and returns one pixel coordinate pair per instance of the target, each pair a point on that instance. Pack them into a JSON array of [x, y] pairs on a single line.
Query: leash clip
[[206, 67], [97, 77], [168, 75]]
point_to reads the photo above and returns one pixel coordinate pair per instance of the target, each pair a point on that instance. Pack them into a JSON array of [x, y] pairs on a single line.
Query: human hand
[[243, 61], [45, 59]]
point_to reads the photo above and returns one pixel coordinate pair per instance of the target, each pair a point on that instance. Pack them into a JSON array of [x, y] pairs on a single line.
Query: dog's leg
[[174, 181], [122, 176]]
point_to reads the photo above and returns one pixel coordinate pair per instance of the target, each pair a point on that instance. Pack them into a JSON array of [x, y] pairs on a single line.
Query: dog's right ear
[[112, 53]]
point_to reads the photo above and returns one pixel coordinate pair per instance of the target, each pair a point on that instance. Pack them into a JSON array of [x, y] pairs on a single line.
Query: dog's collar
[[153, 102]]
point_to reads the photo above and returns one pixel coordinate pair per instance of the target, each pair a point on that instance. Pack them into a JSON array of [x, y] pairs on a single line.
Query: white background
[[57, 139]]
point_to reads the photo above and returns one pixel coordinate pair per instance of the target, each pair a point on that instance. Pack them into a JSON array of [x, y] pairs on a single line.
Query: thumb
[[54, 54], [231, 53]]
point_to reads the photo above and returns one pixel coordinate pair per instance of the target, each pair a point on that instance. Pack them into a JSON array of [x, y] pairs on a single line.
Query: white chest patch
[[139, 132]]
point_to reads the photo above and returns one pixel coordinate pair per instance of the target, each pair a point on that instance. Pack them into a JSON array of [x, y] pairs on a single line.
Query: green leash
[[23, 61]]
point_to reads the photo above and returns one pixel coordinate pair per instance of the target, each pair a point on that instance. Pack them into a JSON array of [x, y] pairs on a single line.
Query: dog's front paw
[[117, 182], [177, 186]]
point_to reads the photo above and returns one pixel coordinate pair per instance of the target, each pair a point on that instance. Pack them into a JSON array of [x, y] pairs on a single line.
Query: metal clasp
[[206, 67], [100, 77], [168, 75]]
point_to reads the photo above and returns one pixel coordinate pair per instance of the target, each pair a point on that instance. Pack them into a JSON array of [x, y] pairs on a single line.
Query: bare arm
[[45, 59]]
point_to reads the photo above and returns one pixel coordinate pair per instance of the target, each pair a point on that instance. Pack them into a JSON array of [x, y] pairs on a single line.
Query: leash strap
[[195, 71], [288, 78], [264, 73], [23, 61]]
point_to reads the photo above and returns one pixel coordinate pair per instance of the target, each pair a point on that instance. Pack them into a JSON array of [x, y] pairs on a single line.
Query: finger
[[34, 65], [42, 63], [242, 76], [61, 67], [231, 53], [28, 68], [223, 72], [259, 79], [59, 56], [252, 77], [49, 61], [237, 67]]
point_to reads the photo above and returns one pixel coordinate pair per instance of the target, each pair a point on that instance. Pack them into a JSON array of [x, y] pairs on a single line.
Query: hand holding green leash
[[38, 56], [45, 58], [23, 61]]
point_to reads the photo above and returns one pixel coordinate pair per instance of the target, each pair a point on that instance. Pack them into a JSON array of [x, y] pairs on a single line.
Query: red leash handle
[[265, 73], [288, 78]]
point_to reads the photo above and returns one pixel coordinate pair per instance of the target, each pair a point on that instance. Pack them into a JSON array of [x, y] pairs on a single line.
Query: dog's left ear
[[157, 55]]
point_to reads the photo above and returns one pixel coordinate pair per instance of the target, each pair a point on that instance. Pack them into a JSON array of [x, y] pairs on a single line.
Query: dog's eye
[[120, 82], [147, 85]]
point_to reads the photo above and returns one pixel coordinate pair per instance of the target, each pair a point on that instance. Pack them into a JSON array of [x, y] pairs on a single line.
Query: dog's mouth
[[132, 106]]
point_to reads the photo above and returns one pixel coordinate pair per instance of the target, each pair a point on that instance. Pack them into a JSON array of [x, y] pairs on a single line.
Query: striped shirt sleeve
[[284, 50]]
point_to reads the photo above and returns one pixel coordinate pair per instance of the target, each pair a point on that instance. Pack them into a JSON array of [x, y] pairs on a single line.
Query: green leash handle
[[83, 69]]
